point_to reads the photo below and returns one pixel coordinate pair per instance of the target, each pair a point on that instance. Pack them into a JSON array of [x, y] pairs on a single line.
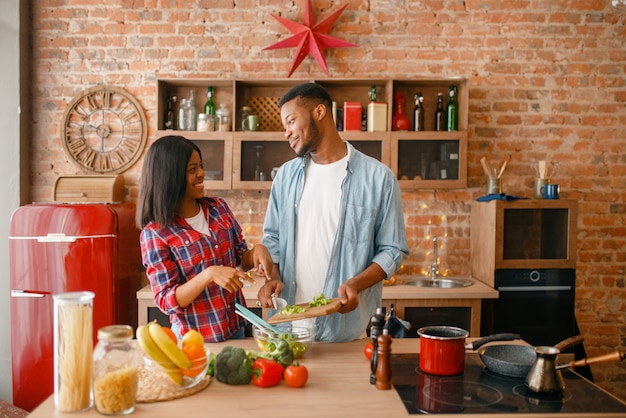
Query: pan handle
[[474, 345], [570, 342]]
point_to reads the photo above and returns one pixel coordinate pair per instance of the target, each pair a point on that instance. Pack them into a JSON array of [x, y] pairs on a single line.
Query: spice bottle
[[115, 371], [73, 345]]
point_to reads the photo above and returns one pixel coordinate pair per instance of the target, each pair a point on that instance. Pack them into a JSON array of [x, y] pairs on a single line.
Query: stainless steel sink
[[439, 283]]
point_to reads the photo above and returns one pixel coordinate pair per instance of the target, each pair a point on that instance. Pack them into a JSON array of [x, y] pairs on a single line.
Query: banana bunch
[[160, 348]]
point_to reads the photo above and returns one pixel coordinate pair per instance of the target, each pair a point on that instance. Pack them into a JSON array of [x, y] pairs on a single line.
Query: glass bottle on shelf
[[399, 120], [418, 112], [259, 175], [192, 114], [439, 116], [452, 117], [372, 94], [170, 118], [182, 115], [223, 118], [209, 108]]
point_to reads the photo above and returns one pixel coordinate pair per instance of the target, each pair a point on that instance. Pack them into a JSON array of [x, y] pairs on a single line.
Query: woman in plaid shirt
[[192, 246]]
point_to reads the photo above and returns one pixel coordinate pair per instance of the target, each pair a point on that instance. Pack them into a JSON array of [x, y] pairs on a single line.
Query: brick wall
[[547, 81]]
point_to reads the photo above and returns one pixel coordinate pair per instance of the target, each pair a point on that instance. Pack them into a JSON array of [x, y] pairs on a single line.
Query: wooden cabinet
[[522, 234], [238, 159]]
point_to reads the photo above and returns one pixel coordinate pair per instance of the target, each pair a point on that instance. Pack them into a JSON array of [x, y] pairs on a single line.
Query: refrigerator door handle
[[22, 293], [56, 237]]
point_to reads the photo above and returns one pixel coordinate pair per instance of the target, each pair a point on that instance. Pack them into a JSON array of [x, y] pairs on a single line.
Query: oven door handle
[[533, 288]]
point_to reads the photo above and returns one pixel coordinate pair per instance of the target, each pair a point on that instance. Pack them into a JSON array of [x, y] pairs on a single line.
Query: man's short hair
[[308, 92]]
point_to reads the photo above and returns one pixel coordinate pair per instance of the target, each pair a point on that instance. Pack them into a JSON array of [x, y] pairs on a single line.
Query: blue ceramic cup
[[550, 191]]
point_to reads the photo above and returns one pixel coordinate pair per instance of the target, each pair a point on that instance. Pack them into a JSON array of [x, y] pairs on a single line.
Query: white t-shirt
[[318, 218], [199, 223]]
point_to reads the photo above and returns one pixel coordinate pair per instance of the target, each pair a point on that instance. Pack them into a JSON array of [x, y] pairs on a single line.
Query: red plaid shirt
[[174, 254]]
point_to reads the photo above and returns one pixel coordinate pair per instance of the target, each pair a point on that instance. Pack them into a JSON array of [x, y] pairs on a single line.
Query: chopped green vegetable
[[319, 300], [292, 309], [297, 348]]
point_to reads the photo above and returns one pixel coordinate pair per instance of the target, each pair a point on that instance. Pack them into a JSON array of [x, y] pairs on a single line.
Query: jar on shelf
[[223, 118], [115, 371], [244, 113], [203, 122]]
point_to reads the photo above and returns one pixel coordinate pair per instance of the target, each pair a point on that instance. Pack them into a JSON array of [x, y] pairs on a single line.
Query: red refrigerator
[[57, 248]]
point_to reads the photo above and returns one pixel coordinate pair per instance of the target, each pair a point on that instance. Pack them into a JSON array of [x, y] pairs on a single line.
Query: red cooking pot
[[442, 348]]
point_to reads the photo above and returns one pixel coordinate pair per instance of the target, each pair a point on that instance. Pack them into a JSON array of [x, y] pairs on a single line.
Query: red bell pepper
[[266, 372]]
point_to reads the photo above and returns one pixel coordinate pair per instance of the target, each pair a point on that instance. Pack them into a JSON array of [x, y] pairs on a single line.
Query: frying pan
[[516, 360]]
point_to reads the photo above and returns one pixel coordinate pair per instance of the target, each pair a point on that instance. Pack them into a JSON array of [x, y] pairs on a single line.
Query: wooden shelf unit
[[421, 160]]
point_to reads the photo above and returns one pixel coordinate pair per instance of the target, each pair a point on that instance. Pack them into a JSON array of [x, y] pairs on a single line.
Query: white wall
[[9, 172]]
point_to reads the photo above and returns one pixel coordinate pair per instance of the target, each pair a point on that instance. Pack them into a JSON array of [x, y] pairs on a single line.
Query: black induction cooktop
[[480, 391]]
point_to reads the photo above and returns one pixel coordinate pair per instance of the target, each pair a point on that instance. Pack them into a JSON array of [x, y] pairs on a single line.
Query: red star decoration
[[311, 37]]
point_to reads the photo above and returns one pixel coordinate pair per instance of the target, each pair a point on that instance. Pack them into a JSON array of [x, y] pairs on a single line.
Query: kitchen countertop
[[478, 290], [338, 386]]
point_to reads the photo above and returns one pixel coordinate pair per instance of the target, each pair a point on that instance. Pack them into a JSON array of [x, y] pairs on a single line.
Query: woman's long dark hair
[[163, 180]]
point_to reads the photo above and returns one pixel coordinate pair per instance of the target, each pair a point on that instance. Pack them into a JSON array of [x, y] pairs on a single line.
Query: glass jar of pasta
[[115, 371], [73, 348]]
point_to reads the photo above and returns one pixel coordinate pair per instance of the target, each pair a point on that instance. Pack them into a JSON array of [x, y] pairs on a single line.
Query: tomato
[[296, 375], [368, 350]]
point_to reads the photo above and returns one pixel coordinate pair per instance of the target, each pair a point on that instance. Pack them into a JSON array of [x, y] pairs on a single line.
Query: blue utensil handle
[[255, 319]]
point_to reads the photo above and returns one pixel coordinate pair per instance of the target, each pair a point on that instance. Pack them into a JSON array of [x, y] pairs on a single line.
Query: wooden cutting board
[[329, 308]]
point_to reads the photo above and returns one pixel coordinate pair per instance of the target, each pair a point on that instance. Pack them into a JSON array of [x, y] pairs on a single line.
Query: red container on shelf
[[352, 116]]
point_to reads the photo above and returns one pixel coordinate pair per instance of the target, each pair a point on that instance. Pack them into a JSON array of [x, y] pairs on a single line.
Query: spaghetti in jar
[[73, 350]]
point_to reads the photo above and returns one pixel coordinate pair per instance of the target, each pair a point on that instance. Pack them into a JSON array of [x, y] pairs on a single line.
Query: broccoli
[[277, 349], [233, 366]]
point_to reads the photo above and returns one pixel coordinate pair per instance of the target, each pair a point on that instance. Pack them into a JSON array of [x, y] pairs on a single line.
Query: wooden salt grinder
[[383, 366]]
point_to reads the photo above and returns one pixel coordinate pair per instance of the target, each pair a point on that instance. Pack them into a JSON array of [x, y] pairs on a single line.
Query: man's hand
[[349, 296]]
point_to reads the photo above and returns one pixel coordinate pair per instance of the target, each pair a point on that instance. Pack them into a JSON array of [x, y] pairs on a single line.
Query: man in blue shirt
[[334, 221]]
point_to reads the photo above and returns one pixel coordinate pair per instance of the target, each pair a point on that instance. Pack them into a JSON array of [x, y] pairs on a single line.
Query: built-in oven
[[538, 304]]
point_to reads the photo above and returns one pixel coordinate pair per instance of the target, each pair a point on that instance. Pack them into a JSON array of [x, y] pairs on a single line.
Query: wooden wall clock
[[104, 130]]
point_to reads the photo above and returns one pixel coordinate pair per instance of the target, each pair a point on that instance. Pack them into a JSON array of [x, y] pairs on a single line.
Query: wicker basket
[[268, 111]]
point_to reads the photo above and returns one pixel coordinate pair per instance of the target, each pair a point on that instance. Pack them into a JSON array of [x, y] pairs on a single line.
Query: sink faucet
[[434, 267]]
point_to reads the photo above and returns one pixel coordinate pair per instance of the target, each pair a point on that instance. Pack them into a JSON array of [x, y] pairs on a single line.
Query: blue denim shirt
[[371, 229]]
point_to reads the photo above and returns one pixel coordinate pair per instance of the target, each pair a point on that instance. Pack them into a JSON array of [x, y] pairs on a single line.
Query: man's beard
[[314, 138]]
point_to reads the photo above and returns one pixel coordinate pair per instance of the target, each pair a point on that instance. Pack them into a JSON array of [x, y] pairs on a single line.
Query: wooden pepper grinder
[[383, 367]]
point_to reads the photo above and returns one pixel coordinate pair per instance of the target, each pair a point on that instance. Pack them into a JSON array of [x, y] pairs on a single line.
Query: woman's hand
[[229, 278], [262, 264]]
